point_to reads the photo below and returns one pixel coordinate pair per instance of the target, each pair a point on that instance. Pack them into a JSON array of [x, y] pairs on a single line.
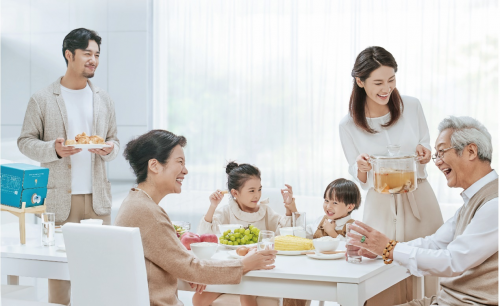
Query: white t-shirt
[[80, 111], [408, 132]]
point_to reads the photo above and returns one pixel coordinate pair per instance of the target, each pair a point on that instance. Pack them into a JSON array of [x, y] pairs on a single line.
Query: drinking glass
[[48, 229], [352, 251], [299, 224], [266, 241]]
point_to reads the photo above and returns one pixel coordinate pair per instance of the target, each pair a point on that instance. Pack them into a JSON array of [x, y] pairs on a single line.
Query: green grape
[[236, 243], [243, 240], [254, 239], [250, 227], [232, 238], [238, 240], [242, 230], [224, 241], [247, 232], [229, 243]]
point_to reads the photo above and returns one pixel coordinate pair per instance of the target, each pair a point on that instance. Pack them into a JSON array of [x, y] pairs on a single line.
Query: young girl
[[244, 185], [341, 198]]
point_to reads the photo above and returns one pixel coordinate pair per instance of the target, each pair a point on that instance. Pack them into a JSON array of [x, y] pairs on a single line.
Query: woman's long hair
[[367, 61]]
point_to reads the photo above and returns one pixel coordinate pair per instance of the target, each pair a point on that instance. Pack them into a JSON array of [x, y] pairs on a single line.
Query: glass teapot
[[395, 172]]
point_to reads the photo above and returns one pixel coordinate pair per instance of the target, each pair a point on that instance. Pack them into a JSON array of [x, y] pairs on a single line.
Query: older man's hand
[[424, 154], [374, 242]]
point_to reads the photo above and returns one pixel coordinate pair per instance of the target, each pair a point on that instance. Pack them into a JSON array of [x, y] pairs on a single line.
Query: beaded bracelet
[[387, 251]]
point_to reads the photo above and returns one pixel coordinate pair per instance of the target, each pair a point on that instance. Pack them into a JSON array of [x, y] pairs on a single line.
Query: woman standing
[[378, 117], [158, 161]]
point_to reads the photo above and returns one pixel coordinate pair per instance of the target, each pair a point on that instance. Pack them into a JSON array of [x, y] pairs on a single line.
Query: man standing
[[464, 250], [78, 187]]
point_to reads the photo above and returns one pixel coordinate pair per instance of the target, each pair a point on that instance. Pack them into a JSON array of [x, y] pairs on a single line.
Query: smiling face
[[379, 85], [335, 210], [169, 177], [84, 62], [248, 196], [451, 164]]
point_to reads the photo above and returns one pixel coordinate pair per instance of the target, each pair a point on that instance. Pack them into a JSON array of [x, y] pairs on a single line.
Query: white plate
[[61, 247], [293, 253], [234, 247], [90, 146], [233, 254], [326, 256]]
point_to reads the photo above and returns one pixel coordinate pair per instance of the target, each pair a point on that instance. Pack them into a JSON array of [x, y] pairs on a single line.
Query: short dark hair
[[367, 61], [238, 175], [155, 144], [344, 191], [79, 39]]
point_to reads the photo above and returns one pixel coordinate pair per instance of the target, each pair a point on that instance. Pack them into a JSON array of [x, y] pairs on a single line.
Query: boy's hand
[[330, 228], [216, 197]]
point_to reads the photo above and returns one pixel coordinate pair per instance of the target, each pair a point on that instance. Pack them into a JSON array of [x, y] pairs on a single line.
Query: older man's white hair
[[467, 130]]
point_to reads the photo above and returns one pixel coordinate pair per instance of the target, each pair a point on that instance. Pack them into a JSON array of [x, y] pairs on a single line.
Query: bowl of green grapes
[[234, 238]]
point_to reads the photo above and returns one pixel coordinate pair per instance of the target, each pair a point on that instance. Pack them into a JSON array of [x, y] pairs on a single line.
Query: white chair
[[106, 265]]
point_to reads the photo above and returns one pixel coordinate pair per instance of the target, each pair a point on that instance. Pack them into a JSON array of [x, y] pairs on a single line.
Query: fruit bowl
[[240, 236], [225, 227]]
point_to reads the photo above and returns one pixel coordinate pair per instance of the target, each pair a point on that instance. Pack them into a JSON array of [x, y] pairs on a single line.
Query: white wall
[[32, 36]]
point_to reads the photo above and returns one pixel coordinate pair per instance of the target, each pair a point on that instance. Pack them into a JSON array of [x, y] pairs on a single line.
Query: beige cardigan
[[45, 120], [166, 258], [264, 219]]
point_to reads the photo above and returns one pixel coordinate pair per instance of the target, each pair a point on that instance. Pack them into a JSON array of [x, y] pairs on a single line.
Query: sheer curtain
[[267, 82]]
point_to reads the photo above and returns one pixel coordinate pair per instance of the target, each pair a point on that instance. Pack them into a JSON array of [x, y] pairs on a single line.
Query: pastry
[[70, 142], [96, 140], [82, 138]]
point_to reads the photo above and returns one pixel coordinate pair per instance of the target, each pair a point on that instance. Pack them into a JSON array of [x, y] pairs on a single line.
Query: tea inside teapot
[[389, 181]]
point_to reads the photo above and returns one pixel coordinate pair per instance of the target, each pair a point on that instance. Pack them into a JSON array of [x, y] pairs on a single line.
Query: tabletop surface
[[287, 267]]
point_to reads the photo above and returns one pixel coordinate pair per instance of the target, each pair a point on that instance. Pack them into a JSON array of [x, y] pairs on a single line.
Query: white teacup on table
[[91, 221], [204, 250], [325, 244]]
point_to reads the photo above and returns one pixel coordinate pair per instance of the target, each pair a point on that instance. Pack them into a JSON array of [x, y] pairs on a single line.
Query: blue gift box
[[23, 183]]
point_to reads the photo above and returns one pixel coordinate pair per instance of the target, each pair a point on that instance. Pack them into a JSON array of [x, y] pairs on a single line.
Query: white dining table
[[297, 277]]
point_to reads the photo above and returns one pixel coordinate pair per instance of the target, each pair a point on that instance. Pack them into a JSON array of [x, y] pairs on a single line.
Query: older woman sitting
[[158, 161], [464, 251]]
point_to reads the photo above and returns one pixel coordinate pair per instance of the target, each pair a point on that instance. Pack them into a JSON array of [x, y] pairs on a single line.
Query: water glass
[[266, 241], [352, 251], [48, 229], [299, 224]]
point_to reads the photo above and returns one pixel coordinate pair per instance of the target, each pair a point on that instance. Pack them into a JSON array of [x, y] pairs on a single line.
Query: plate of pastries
[[84, 141]]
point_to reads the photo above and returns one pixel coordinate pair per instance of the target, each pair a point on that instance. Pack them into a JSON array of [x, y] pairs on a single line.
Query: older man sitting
[[464, 251]]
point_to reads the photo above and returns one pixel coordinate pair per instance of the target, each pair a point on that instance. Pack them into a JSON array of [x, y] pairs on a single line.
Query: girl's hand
[[198, 288], [216, 197], [424, 154], [287, 194], [363, 161], [330, 228]]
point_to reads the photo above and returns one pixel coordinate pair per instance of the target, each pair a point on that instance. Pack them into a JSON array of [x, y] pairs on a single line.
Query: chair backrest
[[106, 265]]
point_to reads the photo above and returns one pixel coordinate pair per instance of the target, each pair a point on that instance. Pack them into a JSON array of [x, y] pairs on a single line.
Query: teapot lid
[[393, 153]]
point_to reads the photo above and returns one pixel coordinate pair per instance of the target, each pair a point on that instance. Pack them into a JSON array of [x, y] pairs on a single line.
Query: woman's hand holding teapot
[[363, 161], [424, 154]]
